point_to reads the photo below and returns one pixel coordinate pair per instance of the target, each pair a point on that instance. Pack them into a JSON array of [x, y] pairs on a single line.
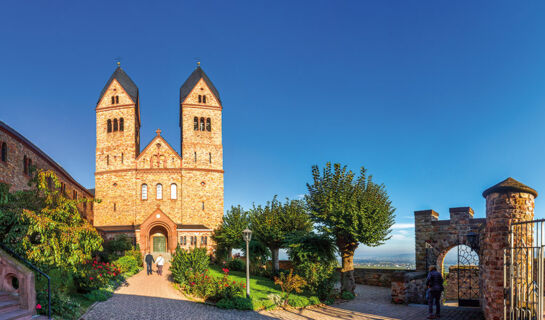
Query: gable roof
[[192, 81], [125, 81], [157, 137]]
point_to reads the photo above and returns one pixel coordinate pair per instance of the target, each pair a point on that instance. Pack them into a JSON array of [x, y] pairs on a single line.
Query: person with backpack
[[434, 282]]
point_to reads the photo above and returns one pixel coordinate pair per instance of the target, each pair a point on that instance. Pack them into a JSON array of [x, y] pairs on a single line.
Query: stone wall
[[12, 170], [408, 287], [373, 277]]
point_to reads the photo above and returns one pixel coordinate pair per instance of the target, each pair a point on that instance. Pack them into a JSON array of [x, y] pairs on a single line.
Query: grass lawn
[[260, 287]]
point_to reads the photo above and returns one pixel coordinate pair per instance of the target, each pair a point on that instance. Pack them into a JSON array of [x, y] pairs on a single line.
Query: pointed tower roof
[[510, 185], [192, 81], [125, 81]]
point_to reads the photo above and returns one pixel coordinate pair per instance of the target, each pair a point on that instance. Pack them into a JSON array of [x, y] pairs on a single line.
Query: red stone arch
[[158, 219]]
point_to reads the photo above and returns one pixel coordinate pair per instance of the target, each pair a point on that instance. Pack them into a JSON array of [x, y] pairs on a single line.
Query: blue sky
[[439, 100]]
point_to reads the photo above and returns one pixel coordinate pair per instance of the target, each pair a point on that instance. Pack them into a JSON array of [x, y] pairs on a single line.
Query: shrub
[[128, 264], [298, 301], [98, 295], [289, 283], [61, 305], [314, 300], [320, 277], [236, 265], [347, 295], [96, 275], [239, 303], [211, 289], [187, 262]]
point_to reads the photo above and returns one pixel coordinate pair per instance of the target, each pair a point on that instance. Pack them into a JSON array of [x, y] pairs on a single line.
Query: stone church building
[[155, 195]]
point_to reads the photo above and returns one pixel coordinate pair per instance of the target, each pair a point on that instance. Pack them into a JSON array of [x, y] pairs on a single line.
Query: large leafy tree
[[352, 209], [272, 223], [229, 235], [45, 226]]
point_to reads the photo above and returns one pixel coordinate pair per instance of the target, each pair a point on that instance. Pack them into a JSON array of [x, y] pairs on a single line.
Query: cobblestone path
[[153, 297]]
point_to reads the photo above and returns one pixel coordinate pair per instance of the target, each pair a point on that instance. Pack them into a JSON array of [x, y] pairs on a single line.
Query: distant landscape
[[401, 261]]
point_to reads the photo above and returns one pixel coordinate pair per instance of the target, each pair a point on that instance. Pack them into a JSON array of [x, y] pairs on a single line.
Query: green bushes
[[61, 304], [96, 275], [129, 265], [98, 295], [320, 277], [347, 295], [239, 303], [236, 265], [208, 288], [185, 263]]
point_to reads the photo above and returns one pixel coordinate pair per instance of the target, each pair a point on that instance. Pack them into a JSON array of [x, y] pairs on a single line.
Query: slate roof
[[509, 185], [125, 81], [190, 83]]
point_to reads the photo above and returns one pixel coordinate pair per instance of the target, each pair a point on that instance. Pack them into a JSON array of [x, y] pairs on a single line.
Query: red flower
[[38, 306], [225, 270], [90, 278], [100, 274], [244, 286], [226, 284]]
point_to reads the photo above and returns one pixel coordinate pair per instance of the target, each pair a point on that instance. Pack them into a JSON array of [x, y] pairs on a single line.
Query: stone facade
[[19, 151], [157, 191]]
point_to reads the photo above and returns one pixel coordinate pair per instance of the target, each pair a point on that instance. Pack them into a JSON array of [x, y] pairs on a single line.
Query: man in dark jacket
[[149, 260], [435, 286]]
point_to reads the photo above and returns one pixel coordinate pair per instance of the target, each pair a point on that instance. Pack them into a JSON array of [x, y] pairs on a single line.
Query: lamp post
[[247, 235]]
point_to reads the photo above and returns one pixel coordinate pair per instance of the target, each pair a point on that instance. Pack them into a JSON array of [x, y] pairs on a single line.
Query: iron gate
[[467, 273], [523, 271]]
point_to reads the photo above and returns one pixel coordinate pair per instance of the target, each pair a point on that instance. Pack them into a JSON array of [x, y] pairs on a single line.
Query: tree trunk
[[275, 262], [348, 283], [229, 253]]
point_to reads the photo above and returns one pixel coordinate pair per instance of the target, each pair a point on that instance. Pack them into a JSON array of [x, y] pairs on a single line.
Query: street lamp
[[247, 235]]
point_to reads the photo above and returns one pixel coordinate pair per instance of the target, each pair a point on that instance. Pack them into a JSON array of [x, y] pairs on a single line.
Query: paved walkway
[[153, 297]]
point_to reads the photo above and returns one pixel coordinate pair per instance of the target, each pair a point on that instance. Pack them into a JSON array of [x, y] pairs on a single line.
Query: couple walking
[[159, 262]]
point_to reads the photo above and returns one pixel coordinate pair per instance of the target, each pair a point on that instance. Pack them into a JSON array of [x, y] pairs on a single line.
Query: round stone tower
[[506, 203]]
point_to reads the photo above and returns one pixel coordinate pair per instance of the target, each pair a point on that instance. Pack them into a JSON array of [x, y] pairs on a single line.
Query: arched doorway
[[158, 238], [460, 267]]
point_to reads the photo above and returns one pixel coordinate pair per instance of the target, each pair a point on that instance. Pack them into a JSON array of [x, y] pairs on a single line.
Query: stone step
[[8, 305], [4, 296], [16, 315]]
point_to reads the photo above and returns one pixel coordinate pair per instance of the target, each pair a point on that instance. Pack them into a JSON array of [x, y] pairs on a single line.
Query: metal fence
[[523, 271]]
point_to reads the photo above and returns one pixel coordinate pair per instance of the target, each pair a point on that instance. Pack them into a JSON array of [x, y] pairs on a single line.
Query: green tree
[[352, 209], [229, 235], [45, 226], [272, 223]]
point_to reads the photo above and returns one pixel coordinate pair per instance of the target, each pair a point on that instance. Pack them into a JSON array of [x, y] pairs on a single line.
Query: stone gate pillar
[[507, 202], [423, 230]]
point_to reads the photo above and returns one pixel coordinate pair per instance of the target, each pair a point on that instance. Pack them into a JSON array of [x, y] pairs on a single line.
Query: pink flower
[[38, 306], [90, 278]]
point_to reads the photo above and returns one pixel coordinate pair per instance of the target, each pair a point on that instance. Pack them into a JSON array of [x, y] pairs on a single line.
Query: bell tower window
[[109, 125], [202, 124], [121, 124], [204, 98], [208, 125], [196, 123], [115, 125], [116, 99]]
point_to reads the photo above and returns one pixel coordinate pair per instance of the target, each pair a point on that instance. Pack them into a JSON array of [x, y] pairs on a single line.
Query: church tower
[[202, 151], [117, 146]]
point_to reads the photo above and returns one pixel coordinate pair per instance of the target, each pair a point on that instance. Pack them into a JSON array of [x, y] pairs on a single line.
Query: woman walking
[[160, 262]]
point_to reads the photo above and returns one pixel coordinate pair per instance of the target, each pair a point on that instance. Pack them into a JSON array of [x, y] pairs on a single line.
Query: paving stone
[[153, 297]]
